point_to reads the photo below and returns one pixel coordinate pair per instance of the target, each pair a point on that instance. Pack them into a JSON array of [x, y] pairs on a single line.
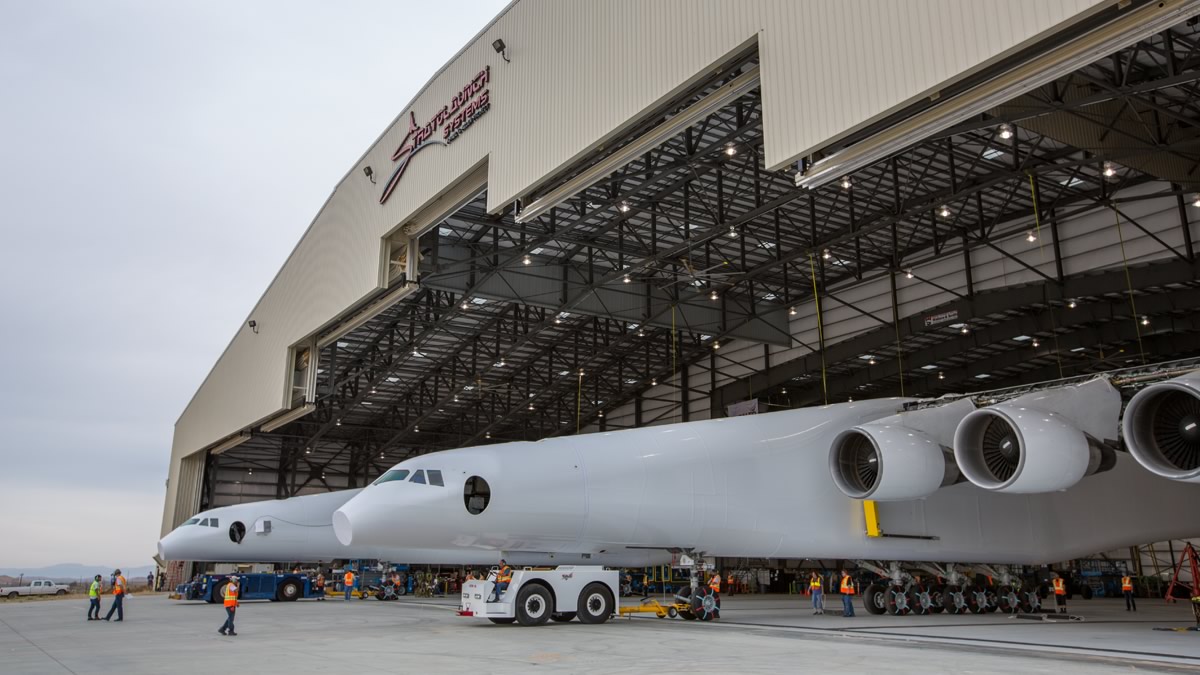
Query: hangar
[[612, 215]]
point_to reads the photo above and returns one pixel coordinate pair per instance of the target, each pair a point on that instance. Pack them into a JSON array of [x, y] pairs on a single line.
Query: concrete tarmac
[[756, 634]]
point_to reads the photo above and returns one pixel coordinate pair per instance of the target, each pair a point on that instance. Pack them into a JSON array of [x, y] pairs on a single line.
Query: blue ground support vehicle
[[269, 586]]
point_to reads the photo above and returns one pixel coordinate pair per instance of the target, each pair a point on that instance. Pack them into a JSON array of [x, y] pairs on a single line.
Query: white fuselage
[[300, 530], [754, 486]]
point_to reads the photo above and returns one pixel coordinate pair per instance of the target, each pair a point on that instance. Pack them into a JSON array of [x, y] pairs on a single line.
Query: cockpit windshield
[[192, 521], [394, 474]]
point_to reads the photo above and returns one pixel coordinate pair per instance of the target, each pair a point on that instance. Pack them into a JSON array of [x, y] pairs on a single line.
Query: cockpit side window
[[213, 523], [418, 477], [435, 478], [192, 521], [389, 476], [204, 523]]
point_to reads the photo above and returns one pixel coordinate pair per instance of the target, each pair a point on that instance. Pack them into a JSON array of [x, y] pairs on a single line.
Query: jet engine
[[905, 456], [1162, 428], [1043, 441]]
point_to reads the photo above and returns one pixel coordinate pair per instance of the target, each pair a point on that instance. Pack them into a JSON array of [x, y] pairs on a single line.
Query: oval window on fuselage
[[476, 495]]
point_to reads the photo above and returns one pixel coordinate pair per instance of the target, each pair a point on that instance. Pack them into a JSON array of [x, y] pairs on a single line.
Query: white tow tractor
[[535, 596]]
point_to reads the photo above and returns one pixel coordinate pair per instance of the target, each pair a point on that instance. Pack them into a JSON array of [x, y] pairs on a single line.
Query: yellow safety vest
[[814, 583], [94, 591]]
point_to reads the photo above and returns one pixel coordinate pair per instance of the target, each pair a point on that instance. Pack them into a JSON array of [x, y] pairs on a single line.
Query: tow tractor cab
[[537, 595]]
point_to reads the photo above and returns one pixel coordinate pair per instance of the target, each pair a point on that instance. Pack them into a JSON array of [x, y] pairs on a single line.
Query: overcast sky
[[158, 161]]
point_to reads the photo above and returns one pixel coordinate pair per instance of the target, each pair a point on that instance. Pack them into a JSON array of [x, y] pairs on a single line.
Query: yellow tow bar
[[652, 606]]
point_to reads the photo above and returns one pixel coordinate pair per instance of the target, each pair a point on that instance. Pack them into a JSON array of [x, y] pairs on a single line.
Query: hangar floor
[[757, 634]]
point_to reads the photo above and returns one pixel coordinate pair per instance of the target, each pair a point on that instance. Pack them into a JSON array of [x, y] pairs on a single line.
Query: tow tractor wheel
[[706, 604], [534, 605], [563, 617], [502, 620], [672, 612], [595, 603], [898, 601], [953, 600], [218, 592], [289, 591], [874, 600]]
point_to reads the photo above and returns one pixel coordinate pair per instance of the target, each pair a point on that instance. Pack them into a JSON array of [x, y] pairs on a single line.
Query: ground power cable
[[1129, 285]]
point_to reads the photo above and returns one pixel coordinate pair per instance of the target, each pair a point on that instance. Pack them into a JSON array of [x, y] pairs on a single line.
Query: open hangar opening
[[994, 234]]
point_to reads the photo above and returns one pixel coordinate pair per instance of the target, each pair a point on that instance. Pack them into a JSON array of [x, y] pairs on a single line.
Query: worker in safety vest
[[320, 585], [348, 582], [1127, 591], [120, 587], [714, 582], [818, 593], [848, 591], [503, 578], [1060, 593], [232, 590], [94, 592]]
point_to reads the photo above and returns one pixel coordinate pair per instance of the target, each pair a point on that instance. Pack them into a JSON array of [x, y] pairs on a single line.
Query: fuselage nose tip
[[342, 528]]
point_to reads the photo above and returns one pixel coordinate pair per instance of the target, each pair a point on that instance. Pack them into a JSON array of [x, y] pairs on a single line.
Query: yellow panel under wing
[[871, 516]]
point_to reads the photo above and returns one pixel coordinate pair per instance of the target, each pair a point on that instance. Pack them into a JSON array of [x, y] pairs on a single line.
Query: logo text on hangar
[[468, 105]]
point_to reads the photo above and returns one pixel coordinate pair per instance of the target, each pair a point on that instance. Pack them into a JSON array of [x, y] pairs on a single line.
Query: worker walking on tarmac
[[818, 594], [503, 578], [320, 586], [348, 582], [1060, 593], [714, 582], [1127, 591], [232, 590], [119, 588], [94, 592], [847, 589]]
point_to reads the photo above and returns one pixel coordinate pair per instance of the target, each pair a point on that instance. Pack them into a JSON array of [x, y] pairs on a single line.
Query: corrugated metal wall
[[1089, 242], [580, 71]]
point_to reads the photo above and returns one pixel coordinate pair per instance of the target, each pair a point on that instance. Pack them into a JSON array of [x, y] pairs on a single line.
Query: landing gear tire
[[953, 600], [936, 603], [563, 617], [874, 600], [921, 601], [899, 602], [1030, 603], [977, 600], [706, 604], [288, 591], [534, 605], [503, 621], [595, 603], [1006, 600]]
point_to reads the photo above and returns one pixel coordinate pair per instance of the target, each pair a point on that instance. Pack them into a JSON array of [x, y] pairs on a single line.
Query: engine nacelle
[[1162, 428], [1040, 442], [905, 456]]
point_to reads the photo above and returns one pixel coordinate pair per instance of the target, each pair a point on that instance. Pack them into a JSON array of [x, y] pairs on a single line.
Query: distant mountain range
[[75, 571]]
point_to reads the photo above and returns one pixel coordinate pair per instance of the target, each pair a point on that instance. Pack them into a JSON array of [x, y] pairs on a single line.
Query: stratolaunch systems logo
[[452, 120]]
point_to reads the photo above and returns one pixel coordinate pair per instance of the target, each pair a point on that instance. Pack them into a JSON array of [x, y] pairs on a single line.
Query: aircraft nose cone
[[342, 528]]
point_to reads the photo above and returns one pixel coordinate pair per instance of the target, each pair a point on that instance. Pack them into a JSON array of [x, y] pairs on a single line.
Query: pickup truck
[[40, 587]]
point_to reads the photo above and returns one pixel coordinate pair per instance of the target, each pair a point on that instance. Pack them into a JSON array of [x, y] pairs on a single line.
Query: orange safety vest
[[1060, 586], [847, 585], [504, 575], [1126, 583], [349, 579], [231, 595], [715, 583], [119, 587]]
